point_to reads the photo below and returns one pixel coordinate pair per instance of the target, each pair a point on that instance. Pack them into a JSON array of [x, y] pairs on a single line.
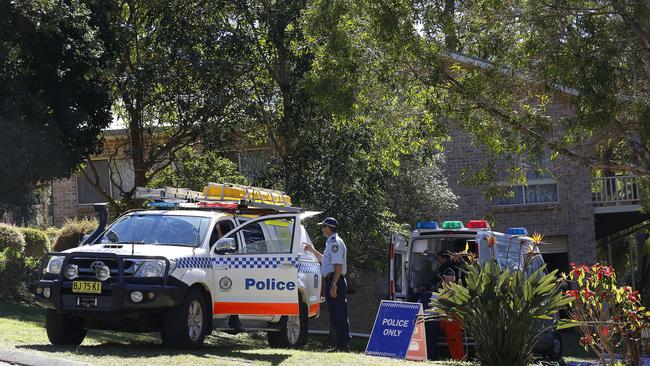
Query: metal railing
[[615, 191]]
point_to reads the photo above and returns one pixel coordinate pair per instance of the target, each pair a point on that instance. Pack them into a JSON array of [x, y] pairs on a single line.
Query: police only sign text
[[393, 329]]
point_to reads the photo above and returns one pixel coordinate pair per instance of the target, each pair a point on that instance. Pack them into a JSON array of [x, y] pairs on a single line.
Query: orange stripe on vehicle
[[313, 309], [255, 308]]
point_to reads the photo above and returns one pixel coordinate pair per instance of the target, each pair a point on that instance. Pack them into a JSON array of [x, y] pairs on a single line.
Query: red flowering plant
[[610, 317]]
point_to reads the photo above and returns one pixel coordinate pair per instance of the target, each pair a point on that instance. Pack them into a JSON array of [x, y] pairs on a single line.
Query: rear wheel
[[64, 330], [293, 330], [186, 325]]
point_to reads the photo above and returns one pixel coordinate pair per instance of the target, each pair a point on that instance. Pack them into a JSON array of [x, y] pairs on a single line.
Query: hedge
[[36, 242], [11, 237], [72, 232]]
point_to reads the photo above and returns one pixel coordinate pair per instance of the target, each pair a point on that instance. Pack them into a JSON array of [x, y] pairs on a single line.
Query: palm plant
[[502, 309]]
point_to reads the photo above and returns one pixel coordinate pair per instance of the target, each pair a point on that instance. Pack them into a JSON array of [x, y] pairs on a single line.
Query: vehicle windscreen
[[157, 229]]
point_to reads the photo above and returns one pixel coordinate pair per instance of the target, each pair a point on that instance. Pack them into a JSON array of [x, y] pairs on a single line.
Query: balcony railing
[[615, 192]]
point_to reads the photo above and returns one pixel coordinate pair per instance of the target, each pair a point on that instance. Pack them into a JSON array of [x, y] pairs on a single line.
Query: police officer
[[334, 268]]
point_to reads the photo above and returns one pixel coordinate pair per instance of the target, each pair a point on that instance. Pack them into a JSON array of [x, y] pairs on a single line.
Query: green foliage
[[341, 130], [52, 232], [37, 242], [72, 232], [172, 80], [18, 272], [54, 97], [503, 310], [192, 169], [11, 238]]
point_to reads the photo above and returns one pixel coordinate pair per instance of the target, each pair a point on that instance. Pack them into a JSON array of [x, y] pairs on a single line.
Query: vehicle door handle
[[221, 266], [286, 265]]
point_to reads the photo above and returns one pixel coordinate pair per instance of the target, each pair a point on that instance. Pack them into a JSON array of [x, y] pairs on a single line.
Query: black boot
[[235, 324]]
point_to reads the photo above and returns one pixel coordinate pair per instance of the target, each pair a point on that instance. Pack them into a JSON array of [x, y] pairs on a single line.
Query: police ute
[[416, 263], [229, 258]]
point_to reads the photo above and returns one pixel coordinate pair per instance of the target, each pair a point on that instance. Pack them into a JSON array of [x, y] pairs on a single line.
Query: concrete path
[[13, 357]]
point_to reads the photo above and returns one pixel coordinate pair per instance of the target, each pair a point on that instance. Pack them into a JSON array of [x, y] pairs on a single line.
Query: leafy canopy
[[54, 96]]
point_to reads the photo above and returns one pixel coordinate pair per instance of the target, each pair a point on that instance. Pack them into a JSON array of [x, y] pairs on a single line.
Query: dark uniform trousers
[[338, 310]]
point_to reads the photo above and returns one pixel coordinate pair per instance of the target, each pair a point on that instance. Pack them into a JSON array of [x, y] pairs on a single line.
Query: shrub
[[610, 317], [10, 237], [36, 242], [502, 309], [18, 272], [72, 232], [52, 232]]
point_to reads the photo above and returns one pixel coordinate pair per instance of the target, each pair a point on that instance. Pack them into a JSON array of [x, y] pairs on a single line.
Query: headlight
[[71, 271], [151, 268], [54, 265]]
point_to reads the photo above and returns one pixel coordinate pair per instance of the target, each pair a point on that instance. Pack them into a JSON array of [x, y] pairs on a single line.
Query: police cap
[[330, 221]]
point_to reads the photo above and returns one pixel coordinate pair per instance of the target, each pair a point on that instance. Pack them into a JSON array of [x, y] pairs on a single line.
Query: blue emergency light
[[517, 231], [162, 204], [427, 225]]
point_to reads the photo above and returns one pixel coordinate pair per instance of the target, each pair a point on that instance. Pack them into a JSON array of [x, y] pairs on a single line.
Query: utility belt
[[330, 276]]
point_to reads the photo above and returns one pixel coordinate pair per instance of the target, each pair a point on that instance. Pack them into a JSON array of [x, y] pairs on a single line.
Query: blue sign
[[393, 329]]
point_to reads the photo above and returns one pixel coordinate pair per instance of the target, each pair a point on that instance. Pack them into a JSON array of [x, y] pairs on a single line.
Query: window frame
[[81, 176], [524, 187], [241, 242]]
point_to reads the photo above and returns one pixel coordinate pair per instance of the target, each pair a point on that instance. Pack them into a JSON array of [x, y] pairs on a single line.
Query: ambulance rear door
[[397, 260]]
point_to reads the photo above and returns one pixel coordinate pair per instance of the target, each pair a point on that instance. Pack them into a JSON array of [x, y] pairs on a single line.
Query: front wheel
[[63, 330], [186, 325], [293, 330]]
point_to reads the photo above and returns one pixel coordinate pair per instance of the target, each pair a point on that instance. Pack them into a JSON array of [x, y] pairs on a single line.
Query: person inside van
[[445, 263]]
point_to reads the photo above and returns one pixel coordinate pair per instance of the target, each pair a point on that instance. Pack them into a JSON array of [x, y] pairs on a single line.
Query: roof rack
[[247, 199]]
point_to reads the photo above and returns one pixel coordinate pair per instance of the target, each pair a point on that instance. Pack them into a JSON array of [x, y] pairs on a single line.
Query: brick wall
[[572, 216], [64, 201]]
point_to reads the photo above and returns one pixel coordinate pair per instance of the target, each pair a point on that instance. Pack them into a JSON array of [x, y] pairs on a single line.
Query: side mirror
[[225, 245]]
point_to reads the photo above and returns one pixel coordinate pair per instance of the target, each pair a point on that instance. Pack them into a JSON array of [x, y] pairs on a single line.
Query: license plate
[[87, 287], [87, 302]]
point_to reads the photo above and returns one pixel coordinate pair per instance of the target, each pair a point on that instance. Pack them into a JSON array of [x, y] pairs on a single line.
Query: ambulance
[[413, 264], [229, 258]]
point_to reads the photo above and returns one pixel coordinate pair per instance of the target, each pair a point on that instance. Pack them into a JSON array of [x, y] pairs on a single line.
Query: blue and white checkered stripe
[[236, 261], [194, 262], [254, 262], [312, 268]]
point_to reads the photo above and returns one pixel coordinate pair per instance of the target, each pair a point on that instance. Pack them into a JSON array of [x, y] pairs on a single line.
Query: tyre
[[293, 330], [556, 350], [64, 330], [186, 325]]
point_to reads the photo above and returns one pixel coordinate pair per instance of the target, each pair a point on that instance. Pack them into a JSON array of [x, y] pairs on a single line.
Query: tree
[[172, 81], [341, 131], [193, 170], [54, 98]]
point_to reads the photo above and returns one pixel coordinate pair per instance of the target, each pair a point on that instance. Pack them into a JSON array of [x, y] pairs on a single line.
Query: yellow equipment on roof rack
[[237, 192]]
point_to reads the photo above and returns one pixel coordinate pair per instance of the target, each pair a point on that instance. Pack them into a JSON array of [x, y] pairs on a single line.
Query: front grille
[[86, 272]]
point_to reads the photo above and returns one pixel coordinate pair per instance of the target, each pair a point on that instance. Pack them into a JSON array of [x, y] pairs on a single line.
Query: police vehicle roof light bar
[[185, 198]]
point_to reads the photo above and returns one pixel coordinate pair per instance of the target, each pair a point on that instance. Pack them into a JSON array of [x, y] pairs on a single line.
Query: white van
[[413, 264]]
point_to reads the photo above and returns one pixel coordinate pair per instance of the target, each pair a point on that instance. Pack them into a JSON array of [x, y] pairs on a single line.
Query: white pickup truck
[[185, 272]]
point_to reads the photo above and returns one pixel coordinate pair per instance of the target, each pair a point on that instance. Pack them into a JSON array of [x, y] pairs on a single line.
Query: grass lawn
[[21, 328]]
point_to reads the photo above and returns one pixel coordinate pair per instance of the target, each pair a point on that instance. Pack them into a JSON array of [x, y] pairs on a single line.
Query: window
[[120, 171], [541, 185], [158, 229], [267, 236], [398, 272], [220, 229], [86, 193]]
